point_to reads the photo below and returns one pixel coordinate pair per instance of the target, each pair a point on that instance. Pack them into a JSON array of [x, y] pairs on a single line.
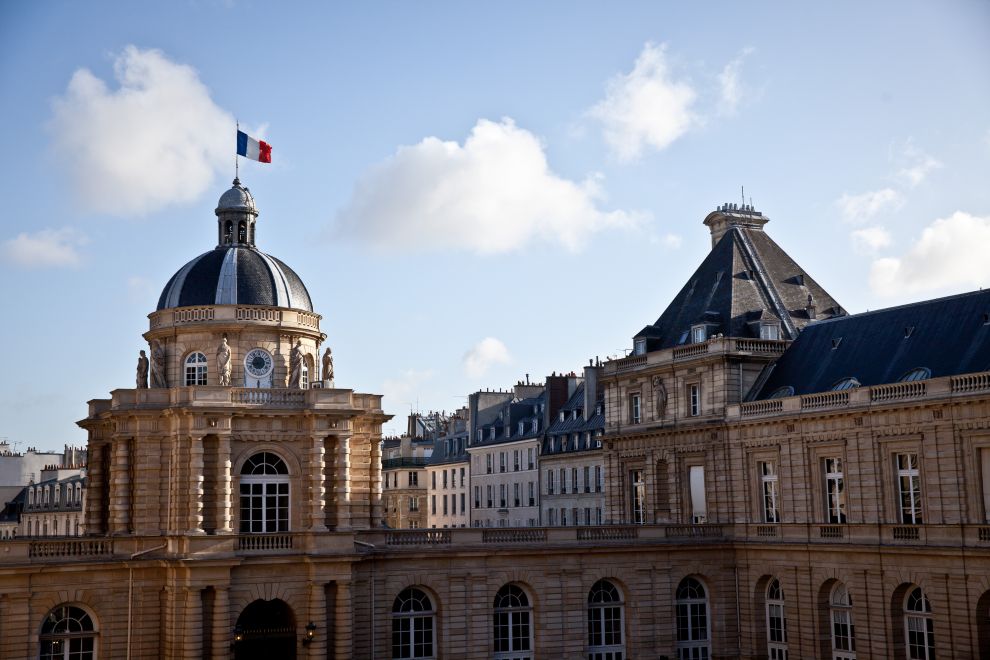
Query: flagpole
[[236, 162]]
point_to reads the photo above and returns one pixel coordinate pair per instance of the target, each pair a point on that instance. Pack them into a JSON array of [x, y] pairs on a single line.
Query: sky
[[471, 192]]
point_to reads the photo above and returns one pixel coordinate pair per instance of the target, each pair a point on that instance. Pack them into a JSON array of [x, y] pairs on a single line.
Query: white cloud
[[404, 389], [870, 239], [493, 194], [155, 140], [915, 165], [862, 207], [669, 241], [48, 247], [950, 253], [483, 355], [645, 107], [730, 84], [140, 289]]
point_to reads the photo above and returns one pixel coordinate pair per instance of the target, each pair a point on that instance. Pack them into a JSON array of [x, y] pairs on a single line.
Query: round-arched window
[[843, 630], [918, 373], [776, 622], [919, 626], [195, 369], [264, 494], [605, 622], [845, 384], [68, 633], [413, 625], [513, 629], [693, 638]]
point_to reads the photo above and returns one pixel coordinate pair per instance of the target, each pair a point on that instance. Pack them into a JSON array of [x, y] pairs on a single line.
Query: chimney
[[728, 215], [472, 416], [591, 375]]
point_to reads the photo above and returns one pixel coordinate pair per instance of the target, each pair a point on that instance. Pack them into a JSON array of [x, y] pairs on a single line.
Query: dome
[[238, 198], [235, 275]]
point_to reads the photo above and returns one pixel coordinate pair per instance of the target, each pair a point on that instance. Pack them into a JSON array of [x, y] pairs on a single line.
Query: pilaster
[[224, 503], [317, 487], [195, 483], [120, 486]]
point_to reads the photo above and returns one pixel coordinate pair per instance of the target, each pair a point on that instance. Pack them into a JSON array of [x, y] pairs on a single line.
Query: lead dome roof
[[236, 272]]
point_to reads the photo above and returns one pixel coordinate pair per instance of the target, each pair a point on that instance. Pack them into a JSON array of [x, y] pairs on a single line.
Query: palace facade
[[781, 480]]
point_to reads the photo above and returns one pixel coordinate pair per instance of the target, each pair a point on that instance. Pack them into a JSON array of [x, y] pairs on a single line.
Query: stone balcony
[[713, 348], [234, 315], [865, 536], [864, 398]]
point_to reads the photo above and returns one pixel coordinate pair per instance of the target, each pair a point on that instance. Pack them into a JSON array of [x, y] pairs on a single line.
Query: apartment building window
[[909, 488], [488, 463], [776, 622], [694, 400], [985, 473], [414, 504], [489, 492], [549, 482], [453, 478], [770, 331], [699, 510], [691, 609], [453, 504], [477, 497], [598, 515], [463, 507], [635, 411], [835, 490], [638, 496], [919, 626], [413, 478], [563, 517], [491, 433], [515, 495], [769, 484], [574, 479], [587, 515], [462, 477], [551, 517], [501, 461], [445, 480], [433, 504], [587, 478], [433, 485], [698, 334], [502, 499], [531, 456], [843, 630], [563, 481], [515, 460], [532, 494], [598, 478]]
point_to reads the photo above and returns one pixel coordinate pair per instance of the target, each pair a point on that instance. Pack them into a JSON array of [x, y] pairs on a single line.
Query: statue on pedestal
[[158, 376], [661, 391], [223, 363], [296, 365], [328, 366], [142, 371]]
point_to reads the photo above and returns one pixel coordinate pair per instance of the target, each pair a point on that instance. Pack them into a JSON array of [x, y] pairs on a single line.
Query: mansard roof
[[745, 281], [946, 336]]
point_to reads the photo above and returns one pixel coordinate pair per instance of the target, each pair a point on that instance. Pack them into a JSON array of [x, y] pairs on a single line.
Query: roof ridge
[[766, 283]]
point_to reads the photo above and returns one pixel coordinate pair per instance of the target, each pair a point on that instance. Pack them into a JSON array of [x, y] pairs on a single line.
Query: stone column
[[224, 488], [94, 490], [120, 487], [222, 623], [342, 483], [316, 486], [195, 485]]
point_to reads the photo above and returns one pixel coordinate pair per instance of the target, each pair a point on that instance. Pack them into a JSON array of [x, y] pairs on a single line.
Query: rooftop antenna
[[742, 190]]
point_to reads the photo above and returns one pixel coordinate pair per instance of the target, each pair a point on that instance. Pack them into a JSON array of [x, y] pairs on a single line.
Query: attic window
[[908, 331], [769, 331], [639, 347], [799, 279], [563, 415], [986, 318], [522, 427], [836, 342], [699, 333], [918, 373], [782, 392], [846, 384]]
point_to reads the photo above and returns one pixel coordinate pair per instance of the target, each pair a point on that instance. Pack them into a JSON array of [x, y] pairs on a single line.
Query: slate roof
[[567, 426], [949, 336], [514, 412], [746, 278]]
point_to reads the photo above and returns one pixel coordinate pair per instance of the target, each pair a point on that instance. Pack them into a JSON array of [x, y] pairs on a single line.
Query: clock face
[[258, 362]]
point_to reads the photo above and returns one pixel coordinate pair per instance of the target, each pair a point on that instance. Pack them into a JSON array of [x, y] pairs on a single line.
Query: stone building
[[404, 475], [449, 474], [55, 506], [769, 493]]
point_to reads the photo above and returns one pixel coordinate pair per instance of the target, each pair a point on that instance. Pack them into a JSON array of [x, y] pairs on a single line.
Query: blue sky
[[471, 193]]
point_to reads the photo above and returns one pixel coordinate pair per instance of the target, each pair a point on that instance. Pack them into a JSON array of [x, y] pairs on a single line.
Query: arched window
[[605, 622], [264, 495], [919, 626], [692, 621], [241, 232], [776, 622], [919, 373], [845, 384], [413, 623], [68, 633], [228, 232], [196, 369], [782, 392], [304, 375], [843, 630], [513, 628]]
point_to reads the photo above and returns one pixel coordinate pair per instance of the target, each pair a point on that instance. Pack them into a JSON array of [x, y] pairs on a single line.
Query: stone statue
[[158, 376], [328, 365], [661, 391], [142, 371], [223, 362], [296, 365]]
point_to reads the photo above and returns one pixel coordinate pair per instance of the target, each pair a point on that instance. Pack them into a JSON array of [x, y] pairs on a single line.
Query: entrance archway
[[266, 629]]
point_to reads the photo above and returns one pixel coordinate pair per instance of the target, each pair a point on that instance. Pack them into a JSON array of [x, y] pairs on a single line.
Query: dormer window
[[918, 373], [639, 347], [491, 433], [522, 428], [536, 425], [699, 333], [782, 392], [846, 384], [563, 415], [575, 413], [769, 331]]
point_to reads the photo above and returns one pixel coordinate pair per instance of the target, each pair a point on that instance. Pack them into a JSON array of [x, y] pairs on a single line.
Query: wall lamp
[[310, 633], [238, 636]]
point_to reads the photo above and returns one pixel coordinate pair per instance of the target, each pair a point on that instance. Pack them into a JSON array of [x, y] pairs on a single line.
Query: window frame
[[426, 618], [512, 624], [606, 623], [195, 372]]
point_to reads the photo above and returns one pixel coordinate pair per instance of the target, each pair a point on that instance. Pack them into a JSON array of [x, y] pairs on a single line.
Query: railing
[[767, 531], [264, 542], [693, 531], [831, 532], [761, 346], [751, 408], [896, 391], [906, 534], [71, 548], [419, 537], [984, 534], [268, 397], [690, 351], [624, 533], [258, 314], [630, 363], [305, 318], [971, 382], [518, 535], [192, 315], [411, 461], [824, 400]]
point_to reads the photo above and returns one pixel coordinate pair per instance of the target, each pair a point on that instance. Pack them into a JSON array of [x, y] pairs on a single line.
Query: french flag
[[257, 150]]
